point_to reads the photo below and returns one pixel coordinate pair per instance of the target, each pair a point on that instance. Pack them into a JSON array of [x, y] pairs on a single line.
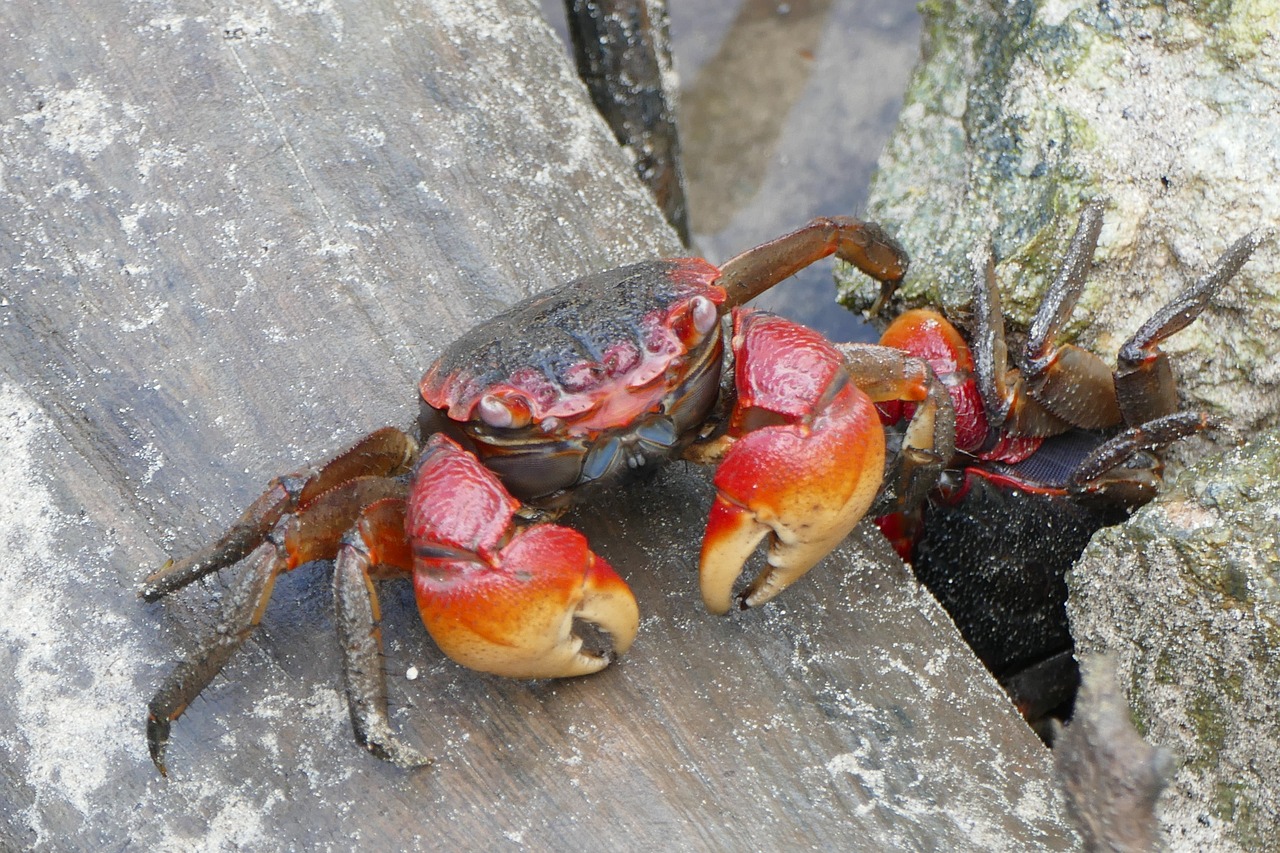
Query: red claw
[[804, 466], [500, 597]]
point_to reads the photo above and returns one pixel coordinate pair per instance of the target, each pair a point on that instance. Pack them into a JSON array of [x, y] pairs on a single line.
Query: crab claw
[[805, 463], [504, 598]]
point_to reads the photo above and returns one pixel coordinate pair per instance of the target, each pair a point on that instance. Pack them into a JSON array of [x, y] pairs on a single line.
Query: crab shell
[[587, 384]]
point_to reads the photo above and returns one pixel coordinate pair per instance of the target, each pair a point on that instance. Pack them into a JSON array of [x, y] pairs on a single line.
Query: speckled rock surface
[[1187, 597], [1019, 111]]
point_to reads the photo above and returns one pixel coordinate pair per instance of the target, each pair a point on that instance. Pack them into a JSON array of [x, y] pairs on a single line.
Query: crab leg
[[377, 540], [887, 374], [1098, 473], [863, 244], [385, 453], [1008, 406], [500, 597], [244, 606], [296, 539], [1063, 385], [1066, 380], [802, 460], [1144, 380]]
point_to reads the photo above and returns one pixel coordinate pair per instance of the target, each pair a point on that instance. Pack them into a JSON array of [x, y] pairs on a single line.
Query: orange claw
[[501, 598], [804, 466]]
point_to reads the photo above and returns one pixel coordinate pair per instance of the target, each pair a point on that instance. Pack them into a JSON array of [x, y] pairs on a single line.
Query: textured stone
[[1018, 112], [1187, 597]]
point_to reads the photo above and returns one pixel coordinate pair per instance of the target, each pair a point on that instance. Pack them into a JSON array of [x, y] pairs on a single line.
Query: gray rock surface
[[1187, 597], [233, 236]]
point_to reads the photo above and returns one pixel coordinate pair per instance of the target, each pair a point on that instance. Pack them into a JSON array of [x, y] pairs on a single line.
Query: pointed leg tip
[[153, 587], [157, 740], [375, 735]]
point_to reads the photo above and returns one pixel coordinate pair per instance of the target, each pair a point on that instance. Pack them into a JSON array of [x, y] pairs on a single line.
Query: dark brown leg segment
[[863, 244], [377, 540], [385, 453], [1063, 294], [1071, 383], [1144, 380], [1101, 471], [1008, 404], [313, 534], [244, 607]]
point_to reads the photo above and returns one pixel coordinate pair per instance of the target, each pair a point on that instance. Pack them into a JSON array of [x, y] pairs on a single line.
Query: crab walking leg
[[804, 460], [387, 452], [1144, 380], [1066, 380], [863, 244], [296, 539], [1100, 471], [887, 374], [244, 607], [1062, 384], [376, 542], [500, 597]]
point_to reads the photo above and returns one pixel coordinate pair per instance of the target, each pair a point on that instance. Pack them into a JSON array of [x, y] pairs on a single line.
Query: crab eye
[[693, 320], [704, 313], [503, 412]]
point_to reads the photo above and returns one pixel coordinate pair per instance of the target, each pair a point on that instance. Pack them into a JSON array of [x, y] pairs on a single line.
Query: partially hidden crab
[[1046, 453], [580, 388]]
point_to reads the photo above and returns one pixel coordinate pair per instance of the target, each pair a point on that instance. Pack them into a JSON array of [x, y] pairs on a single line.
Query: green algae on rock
[[1020, 112]]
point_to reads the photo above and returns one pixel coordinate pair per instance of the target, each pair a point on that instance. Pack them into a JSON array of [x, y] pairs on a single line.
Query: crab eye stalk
[[503, 412], [699, 317], [705, 314]]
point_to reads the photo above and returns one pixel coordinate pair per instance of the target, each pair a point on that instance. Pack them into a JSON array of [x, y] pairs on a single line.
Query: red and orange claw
[[499, 597], [804, 468]]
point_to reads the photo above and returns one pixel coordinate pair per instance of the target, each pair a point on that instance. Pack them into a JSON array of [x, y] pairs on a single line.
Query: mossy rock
[[1018, 113]]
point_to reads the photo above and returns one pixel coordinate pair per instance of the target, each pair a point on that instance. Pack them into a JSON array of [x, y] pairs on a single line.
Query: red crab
[[583, 387], [1044, 457]]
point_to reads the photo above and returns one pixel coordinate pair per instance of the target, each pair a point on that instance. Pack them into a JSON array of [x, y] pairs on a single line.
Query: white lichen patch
[[154, 312], [84, 120], [73, 710], [170, 23]]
